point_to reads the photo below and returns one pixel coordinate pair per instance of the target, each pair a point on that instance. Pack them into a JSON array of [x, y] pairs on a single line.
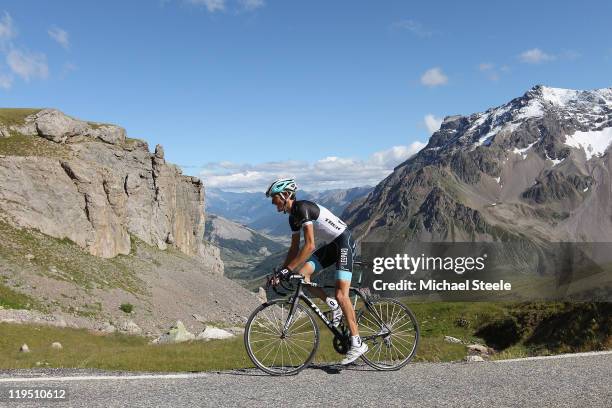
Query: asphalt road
[[580, 380]]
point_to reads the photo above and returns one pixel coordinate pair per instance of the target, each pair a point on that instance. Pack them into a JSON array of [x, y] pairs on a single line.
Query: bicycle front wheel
[[277, 351], [391, 332]]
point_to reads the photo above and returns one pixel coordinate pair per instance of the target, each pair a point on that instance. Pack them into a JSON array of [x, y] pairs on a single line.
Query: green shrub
[[126, 307]]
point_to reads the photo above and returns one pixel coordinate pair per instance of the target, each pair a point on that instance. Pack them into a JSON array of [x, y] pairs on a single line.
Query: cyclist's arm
[[307, 249], [293, 249]]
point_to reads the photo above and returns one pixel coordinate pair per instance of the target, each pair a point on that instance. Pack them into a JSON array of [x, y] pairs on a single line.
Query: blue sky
[[333, 92]]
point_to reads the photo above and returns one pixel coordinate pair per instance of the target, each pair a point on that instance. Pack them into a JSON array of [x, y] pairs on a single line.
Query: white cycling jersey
[[326, 225]]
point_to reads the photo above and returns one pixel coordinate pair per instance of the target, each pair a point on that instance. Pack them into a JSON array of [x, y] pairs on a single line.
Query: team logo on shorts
[[344, 256]]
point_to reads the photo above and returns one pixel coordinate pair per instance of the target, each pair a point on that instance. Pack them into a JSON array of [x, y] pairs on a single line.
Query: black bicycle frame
[[299, 294]]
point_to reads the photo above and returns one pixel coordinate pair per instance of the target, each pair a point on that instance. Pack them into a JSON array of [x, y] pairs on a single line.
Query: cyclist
[[339, 248]]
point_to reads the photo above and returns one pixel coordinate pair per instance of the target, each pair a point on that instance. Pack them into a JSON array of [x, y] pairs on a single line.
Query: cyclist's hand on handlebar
[[284, 273], [278, 275]]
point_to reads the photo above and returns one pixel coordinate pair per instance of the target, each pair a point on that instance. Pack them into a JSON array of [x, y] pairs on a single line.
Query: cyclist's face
[[278, 202]]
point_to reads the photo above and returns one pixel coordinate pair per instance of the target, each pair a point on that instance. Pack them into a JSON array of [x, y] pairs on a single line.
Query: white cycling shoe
[[354, 353]]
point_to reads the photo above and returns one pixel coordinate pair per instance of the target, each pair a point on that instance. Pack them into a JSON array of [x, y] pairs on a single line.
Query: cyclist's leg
[[308, 269], [344, 273], [319, 260], [343, 298]]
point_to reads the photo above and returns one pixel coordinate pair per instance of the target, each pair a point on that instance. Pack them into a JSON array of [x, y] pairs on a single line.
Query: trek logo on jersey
[[333, 224]]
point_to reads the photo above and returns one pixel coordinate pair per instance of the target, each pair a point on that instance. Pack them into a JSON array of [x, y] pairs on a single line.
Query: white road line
[[568, 355], [105, 377]]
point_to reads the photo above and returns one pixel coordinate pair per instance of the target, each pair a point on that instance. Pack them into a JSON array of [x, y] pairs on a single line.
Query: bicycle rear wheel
[[273, 351], [390, 345]]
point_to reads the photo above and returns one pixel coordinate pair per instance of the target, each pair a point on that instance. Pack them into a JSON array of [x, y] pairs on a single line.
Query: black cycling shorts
[[340, 252]]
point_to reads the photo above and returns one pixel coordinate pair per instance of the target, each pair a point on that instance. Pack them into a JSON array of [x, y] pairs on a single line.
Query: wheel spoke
[[298, 346], [268, 353], [390, 320], [396, 330], [277, 355]]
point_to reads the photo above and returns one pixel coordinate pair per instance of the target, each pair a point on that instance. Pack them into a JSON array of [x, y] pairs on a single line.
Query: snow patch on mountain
[[523, 152], [559, 96], [594, 143]]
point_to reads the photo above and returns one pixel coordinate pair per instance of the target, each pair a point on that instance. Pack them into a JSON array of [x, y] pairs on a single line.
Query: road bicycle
[[282, 336]]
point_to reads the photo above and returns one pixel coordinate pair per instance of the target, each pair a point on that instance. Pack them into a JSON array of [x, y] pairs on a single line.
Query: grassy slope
[[15, 116], [61, 259], [11, 299], [20, 145], [466, 321]]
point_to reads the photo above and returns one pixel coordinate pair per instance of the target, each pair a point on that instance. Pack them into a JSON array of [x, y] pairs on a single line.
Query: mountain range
[[538, 167], [255, 210]]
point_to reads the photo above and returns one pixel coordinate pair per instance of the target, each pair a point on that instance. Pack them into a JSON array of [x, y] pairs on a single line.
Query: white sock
[[356, 341], [332, 303]]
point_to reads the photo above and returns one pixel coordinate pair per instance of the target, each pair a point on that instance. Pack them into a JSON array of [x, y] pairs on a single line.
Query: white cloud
[[7, 29], [6, 81], [28, 65], [434, 77], [60, 36], [489, 70], [413, 26], [250, 5], [211, 5], [432, 123], [326, 173], [535, 56]]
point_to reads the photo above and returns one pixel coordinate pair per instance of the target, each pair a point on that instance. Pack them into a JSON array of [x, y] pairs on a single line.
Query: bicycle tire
[[266, 333], [398, 317]]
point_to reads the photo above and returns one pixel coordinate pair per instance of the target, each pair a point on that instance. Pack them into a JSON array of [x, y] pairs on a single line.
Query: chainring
[[342, 344]]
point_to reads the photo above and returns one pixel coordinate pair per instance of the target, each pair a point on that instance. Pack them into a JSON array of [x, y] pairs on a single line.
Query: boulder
[[130, 327], [52, 124], [453, 340], [177, 334], [56, 345], [108, 328], [237, 331], [214, 333], [24, 348], [473, 359], [479, 349]]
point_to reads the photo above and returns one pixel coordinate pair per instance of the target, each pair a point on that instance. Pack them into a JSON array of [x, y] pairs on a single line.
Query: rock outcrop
[[101, 189], [177, 334]]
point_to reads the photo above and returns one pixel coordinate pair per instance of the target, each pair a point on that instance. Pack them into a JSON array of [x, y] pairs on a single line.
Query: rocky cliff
[[91, 184], [92, 221], [538, 167]]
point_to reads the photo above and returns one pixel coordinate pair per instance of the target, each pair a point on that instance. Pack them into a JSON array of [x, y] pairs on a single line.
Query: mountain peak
[[565, 97]]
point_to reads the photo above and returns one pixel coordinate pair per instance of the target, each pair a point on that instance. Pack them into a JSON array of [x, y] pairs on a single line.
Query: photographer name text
[[443, 285]]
